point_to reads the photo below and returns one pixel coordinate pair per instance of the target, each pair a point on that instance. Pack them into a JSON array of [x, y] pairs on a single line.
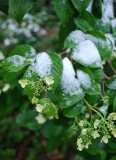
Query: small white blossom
[[87, 144], [49, 80], [6, 88], [1, 56], [23, 83], [95, 134], [35, 100], [40, 119], [79, 144], [105, 138], [84, 131], [112, 116], [96, 123], [114, 133], [39, 108], [81, 123]]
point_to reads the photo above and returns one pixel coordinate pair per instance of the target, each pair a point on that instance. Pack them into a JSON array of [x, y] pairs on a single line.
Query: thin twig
[[111, 66]]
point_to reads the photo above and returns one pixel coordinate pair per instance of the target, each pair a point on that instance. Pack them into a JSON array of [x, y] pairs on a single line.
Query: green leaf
[[73, 111], [111, 83], [87, 81], [63, 10], [103, 26], [71, 131], [13, 64], [51, 130], [114, 104], [111, 95], [80, 5], [50, 109], [27, 119], [56, 69], [113, 158], [86, 21], [24, 50], [18, 8], [98, 75]]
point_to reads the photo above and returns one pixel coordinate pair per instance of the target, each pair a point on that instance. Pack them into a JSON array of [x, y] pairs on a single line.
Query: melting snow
[[42, 65], [113, 22], [87, 53], [84, 78], [16, 60], [107, 10], [76, 36], [69, 83], [89, 8]]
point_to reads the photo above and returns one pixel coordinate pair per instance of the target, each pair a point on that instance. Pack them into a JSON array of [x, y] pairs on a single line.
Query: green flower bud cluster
[[47, 108], [39, 86], [104, 128]]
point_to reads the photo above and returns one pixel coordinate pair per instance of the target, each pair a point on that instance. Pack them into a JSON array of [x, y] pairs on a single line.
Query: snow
[[86, 53], [69, 83], [94, 39], [111, 38], [89, 8], [84, 78], [113, 22], [107, 10], [16, 60], [76, 36], [42, 64]]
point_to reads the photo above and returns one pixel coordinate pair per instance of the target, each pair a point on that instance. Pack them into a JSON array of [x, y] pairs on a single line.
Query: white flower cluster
[[100, 128]]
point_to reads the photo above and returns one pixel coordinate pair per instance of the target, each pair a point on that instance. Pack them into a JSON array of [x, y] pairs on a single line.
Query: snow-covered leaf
[[13, 64], [49, 65], [87, 54], [112, 83], [74, 38], [102, 43], [69, 92], [87, 81]]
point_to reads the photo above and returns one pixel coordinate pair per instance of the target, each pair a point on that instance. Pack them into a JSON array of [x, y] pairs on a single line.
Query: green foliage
[[23, 6], [71, 90], [63, 10], [80, 5], [86, 21]]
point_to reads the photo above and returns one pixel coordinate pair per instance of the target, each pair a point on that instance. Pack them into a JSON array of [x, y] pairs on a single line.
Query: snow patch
[[42, 64], [107, 10], [84, 78], [76, 36], [69, 83], [87, 53], [89, 8], [16, 60], [113, 22]]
